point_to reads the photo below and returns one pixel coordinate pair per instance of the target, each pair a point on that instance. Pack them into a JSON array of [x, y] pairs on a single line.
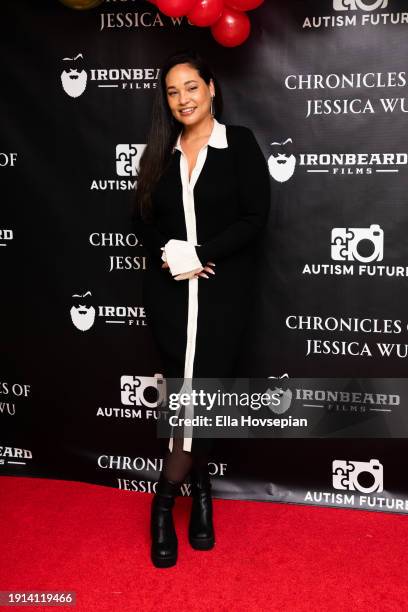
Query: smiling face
[[188, 95]]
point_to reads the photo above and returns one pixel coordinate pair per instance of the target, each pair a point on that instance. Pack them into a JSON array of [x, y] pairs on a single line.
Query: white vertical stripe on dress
[[217, 139]]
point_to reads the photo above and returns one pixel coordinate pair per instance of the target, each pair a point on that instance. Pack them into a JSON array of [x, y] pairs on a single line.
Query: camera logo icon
[[363, 244], [354, 5], [363, 476], [148, 391]]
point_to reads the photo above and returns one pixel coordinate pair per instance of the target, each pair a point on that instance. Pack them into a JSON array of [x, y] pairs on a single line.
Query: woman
[[203, 195]]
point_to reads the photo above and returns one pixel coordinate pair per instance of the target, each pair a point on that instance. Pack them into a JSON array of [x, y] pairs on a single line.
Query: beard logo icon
[[282, 161], [282, 392], [74, 77], [82, 312]]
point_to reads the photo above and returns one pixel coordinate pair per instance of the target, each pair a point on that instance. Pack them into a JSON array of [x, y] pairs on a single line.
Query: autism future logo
[[74, 78], [127, 159]]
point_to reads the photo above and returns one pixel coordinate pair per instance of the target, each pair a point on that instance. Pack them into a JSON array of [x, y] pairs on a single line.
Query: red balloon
[[206, 12], [175, 8], [243, 5], [232, 28]]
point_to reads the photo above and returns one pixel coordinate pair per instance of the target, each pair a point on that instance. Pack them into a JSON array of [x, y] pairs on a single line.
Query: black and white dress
[[215, 216]]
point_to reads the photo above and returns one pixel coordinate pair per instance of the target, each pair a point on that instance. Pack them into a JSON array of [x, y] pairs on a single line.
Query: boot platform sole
[[164, 562], [201, 543]]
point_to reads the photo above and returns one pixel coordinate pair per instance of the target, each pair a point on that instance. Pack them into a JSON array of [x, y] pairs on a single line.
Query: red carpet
[[60, 535]]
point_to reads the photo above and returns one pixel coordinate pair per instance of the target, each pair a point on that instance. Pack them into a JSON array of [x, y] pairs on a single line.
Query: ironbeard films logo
[[5, 236], [75, 78], [283, 161], [14, 456], [83, 313]]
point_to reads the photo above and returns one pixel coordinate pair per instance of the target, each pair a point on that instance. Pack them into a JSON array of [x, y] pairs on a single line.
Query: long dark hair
[[164, 130]]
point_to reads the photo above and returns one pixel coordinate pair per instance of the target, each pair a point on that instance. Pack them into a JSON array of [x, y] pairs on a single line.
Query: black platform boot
[[163, 533], [201, 529]]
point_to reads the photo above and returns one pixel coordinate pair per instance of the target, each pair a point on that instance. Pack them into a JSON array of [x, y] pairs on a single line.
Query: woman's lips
[[187, 111]]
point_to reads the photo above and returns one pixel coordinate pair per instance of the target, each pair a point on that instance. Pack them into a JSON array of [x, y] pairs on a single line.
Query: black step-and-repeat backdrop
[[323, 85]]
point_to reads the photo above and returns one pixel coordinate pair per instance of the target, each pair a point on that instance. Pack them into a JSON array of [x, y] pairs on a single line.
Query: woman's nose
[[183, 97]]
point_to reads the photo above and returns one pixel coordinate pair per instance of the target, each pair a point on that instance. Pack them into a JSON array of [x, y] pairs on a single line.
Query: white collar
[[218, 138]]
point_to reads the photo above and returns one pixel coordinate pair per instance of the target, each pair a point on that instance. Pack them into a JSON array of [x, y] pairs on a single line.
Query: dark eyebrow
[[186, 83]]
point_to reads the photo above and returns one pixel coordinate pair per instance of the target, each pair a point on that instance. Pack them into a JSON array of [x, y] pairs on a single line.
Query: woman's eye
[[192, 88]]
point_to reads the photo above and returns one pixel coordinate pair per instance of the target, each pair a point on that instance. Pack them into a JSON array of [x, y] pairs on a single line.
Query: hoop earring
[[212, 107]]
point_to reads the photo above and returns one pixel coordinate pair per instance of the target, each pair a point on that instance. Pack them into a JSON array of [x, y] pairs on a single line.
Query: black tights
[[178, 463]]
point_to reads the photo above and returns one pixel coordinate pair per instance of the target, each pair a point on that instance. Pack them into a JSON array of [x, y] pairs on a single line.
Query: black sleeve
[[152, 239], [254, 191]]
